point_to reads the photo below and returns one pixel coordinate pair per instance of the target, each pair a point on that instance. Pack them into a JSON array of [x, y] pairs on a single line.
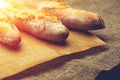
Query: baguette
[[9, 35], [39, 24], [70, 17]]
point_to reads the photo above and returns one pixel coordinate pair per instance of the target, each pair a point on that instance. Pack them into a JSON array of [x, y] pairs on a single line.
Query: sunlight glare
[[3, 4]]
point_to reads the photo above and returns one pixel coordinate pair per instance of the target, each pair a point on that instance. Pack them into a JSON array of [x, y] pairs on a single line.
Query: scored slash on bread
[[70, 17], [9, 35], [38, 23]]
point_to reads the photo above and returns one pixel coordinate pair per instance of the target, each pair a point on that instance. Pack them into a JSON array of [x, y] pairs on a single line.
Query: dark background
[[87, 65]]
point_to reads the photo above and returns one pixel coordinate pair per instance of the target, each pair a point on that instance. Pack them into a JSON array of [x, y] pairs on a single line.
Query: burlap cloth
[[88, 64]]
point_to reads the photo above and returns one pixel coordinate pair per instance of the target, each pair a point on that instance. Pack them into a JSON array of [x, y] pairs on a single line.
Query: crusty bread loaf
[[40, 24], [9, 35], [70, 17]]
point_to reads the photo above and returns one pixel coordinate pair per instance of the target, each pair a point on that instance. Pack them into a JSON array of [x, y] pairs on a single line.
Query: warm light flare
[[4, 4]]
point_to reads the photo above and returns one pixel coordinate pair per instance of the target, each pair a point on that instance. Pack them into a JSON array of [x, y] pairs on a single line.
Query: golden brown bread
[[9, 35], [38, 23], [70, 17]]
